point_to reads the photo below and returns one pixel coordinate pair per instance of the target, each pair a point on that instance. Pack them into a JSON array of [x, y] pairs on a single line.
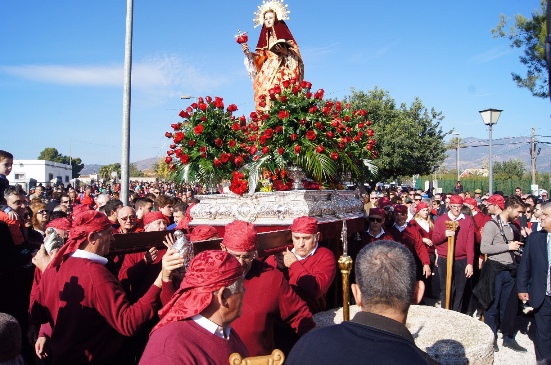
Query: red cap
[[202, 233], [376, 211], [153, 216], [497, 200], [456, 199], [384, 201], [306, 225], [79, 208], [400, 208], [470, 201], [208, 271], [420, 205], [240, 236], [60, 223]]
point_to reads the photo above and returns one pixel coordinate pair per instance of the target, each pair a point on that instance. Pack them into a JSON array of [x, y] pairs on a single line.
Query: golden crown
[[276, 5]]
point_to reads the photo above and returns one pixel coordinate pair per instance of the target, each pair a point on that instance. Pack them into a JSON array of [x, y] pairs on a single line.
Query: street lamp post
[[457, 155], [490, 117], [188, 97]]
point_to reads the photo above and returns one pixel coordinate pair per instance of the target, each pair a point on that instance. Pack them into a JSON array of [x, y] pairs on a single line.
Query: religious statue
[[277, 57]]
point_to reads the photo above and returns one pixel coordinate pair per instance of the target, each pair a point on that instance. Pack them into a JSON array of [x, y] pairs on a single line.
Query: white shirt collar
[[305, 257], [400, 228], [461, 216], [82, 254], [377, 236], [212, 327]]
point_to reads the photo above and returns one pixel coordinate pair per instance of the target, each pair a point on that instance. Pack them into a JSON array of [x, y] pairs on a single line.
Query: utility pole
[[533, 155]]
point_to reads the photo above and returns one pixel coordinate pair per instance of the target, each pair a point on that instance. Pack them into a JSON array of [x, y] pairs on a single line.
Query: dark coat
[[532, 271]]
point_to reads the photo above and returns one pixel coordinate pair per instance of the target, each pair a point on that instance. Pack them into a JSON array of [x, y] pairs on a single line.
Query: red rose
[[283, 114], [208, 99], [238, 161], [265, 150], [178, 152], [283, 98], [171, 167], [286, 84], [204, 155], [311, 135], [357, 138], [198, 129], [318, 125], [203, 149], [369, 147], [302, 121], [232, 143], [184, 159], [235, 126], [224, 157], [293, 137], [183, 114], [253, 127], [347, 118], [191, 143], [178, 137], [253, 150], [368, 123], [242, 38], [217, 162], [269, 133], [232, 108], [281, 150], [279, 129], [370, 132], [189, 109], [334, 156], [173, 146], [168, 159], [218, 103], [175, 126], [360, 125], [296, 90], [168, 135], [277, 89], [313, 109], [297, 149], [262, 140], [218, 142], [203, 107], [303, 84], [308, 95], [320, 149], [330, 134], [170, 152], [262, 104], [253, 115]]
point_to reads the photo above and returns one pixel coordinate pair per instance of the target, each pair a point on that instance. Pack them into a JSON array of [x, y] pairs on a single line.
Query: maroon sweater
[[88, 310], [411, 238], [464, 238], [185, 342], [269, 297], [311, 278], [424, 234]]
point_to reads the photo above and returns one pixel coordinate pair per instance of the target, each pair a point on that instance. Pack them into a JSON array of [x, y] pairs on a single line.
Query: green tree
[[106, 170], [52, 154], [514, 168], [162, 171], [529, 35], [135, 172], [410, 139]]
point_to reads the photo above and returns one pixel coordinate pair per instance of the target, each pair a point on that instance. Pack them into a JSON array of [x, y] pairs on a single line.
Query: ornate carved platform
[[277, 208]]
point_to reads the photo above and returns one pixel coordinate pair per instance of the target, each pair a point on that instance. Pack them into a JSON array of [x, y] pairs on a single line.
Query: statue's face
[[269, 19]]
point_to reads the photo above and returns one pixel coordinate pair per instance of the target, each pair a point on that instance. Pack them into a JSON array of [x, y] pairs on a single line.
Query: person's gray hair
[[385, 274], [546, 205]]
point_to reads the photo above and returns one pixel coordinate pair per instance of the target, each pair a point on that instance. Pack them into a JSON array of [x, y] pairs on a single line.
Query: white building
[[32, 172]]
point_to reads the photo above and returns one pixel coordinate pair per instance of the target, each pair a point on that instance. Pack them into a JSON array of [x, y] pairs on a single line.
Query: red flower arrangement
[[209, 143], [325, 138], [239, 184]]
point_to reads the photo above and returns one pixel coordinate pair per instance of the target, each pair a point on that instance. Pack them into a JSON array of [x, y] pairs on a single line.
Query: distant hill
[[474, 153], [143, 165]]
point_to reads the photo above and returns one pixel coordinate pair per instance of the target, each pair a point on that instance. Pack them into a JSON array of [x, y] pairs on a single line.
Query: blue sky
[[61, 66]]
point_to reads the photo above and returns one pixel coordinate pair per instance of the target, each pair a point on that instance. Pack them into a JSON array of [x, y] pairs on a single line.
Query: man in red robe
[[309, 267], [269, 295], [195, 324], [83, 302]]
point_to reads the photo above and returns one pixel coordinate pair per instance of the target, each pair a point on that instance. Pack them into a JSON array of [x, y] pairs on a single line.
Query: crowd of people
[[78, 303]]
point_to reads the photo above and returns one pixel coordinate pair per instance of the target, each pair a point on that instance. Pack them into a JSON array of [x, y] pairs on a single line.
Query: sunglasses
[[42, 212], [373, 219], [27, 216], [64, 202], [418, 200], [131, 217], [528, 211]]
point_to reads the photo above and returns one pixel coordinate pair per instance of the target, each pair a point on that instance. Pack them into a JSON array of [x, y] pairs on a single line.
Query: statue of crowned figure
[[277, 56]]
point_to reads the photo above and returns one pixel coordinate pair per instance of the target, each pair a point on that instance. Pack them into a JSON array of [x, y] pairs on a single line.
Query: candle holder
[[345, 265]]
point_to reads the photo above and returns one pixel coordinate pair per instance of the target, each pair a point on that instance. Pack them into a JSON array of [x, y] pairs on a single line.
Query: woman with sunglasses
[[33, 237], [40, 217]]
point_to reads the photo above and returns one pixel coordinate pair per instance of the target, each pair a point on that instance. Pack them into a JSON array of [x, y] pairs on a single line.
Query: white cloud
[[491, 54], [159, 77]]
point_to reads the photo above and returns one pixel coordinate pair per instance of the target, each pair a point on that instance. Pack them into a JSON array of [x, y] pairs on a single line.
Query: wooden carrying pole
[[451, 226], [345, 265]]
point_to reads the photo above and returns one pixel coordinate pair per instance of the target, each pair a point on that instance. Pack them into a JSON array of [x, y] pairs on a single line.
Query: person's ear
[[223, 295], [418, 292], [357, 294], [318, 235]]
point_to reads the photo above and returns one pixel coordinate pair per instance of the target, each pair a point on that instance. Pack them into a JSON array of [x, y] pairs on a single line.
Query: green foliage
[[52, 154], [528, 35], [410, 139], [106, 170], [512, 169]]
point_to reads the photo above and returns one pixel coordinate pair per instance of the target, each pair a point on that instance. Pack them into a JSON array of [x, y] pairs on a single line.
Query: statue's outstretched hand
[[245, 48]]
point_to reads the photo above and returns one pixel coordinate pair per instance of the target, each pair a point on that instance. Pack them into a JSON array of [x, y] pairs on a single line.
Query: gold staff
[[345, 264], [451, 226]]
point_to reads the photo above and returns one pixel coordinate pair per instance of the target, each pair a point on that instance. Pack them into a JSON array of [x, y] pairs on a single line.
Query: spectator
[[111, 210], [40, 218], [6, 163], [178, 212], [385, 274]]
